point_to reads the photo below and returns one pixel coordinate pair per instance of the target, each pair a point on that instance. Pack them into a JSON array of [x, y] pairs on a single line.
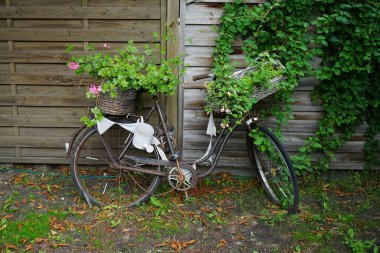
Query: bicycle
[[107, 167]]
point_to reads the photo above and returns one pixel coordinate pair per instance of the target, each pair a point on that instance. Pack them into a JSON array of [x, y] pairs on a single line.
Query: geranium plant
[[129, 68], [235, 96]]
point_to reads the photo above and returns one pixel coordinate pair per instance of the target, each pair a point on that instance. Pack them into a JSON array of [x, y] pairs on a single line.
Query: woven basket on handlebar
[[122, 104], [261, 93]]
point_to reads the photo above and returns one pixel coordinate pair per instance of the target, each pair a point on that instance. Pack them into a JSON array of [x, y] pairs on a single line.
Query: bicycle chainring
[[182, 179]]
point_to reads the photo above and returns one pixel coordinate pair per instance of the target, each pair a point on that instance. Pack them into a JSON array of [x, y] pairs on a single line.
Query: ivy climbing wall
[[200, 27]]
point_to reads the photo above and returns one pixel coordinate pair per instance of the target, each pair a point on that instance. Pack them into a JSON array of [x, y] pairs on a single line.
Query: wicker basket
[[122, 104]]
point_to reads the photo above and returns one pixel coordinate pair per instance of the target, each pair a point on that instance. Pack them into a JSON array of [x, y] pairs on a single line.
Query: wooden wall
[[200, 18], [39, 105]]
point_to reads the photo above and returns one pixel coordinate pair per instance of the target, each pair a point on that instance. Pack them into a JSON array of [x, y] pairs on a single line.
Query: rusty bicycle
[[125, 159]]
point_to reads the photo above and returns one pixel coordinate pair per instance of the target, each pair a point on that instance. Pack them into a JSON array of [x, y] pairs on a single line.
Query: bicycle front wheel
[[99, 182], [268, 157]]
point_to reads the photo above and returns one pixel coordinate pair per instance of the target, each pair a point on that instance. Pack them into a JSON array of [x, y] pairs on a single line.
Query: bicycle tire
[[276, 173], [98, 182]]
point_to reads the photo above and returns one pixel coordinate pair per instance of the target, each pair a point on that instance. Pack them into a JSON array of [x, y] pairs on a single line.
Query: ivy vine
[[345, 34]]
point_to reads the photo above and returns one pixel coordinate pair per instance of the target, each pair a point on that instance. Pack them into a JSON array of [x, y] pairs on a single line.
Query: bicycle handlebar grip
[[202, 76]]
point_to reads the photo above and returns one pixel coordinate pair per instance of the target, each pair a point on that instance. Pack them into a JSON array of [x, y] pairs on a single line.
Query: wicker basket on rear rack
[[123, 103]]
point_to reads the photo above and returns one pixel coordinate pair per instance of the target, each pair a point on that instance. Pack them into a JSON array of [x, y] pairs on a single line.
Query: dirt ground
[[41, 211]]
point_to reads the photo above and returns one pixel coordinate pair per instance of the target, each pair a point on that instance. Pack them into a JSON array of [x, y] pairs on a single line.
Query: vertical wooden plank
[[12, 70], [173, 50], [180, 100]]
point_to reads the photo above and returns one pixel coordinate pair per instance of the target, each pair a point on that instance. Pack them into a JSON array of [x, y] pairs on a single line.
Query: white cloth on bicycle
[[211, 130], [106, 124]]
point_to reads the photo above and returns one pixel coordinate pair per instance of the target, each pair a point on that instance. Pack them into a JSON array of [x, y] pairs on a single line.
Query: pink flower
[[95, 89], [105, 45], [228, 110], [73, 65]]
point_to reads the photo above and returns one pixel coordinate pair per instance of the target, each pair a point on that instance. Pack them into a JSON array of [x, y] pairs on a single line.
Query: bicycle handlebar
[[202, 76]]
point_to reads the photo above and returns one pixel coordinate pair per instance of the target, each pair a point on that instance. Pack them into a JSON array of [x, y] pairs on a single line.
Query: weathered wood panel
[[143, 35], [201, 20], [136, 11], [45, 52], [3, 23], [5, 89], [39, 121], [44, 100], [7, 152], [57, 3], [40, 104], [6, 131], [194, 99]]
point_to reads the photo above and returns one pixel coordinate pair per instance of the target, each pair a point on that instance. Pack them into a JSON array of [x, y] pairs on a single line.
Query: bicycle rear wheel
[[272, 164], [101, 184]]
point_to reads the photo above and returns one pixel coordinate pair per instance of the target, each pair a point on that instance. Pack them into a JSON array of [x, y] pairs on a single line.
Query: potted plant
[[120, 76]]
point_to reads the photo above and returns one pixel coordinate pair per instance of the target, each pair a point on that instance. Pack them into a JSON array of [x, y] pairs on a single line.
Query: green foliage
[[358, 245], [129, 68], [233, 96], [345, 35], [349, 78], [266, 29]]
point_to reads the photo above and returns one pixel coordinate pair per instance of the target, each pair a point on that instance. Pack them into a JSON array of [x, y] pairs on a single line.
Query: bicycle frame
[[217, 148]]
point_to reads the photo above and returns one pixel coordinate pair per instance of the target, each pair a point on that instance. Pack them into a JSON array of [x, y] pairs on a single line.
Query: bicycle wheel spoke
[[274, 169], [103, 184]]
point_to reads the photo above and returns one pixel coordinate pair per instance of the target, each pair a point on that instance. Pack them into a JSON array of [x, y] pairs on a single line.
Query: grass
[[339, 212], [28, 229]]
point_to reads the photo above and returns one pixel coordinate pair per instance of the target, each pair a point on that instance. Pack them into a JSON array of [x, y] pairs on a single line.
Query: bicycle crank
[[182, 179]]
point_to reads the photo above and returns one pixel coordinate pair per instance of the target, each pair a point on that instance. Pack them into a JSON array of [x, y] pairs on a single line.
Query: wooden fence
[[40, 105], [200, 18]]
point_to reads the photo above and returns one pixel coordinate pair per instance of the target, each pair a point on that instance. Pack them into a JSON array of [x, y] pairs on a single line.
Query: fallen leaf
[[241, 237], [81, 212], [126, 230], [342, 194], [56, 245], [2, 193], [28, 247], [18, 179], [39, 240], [176, 246], [40, 206], [8, 216], [162, 244], [330, 220], [222, 243], [52, 219], [11, 246], [19, 227], [59, 226], [3, 227], [206, 209], [185, 244], [53, 232]]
